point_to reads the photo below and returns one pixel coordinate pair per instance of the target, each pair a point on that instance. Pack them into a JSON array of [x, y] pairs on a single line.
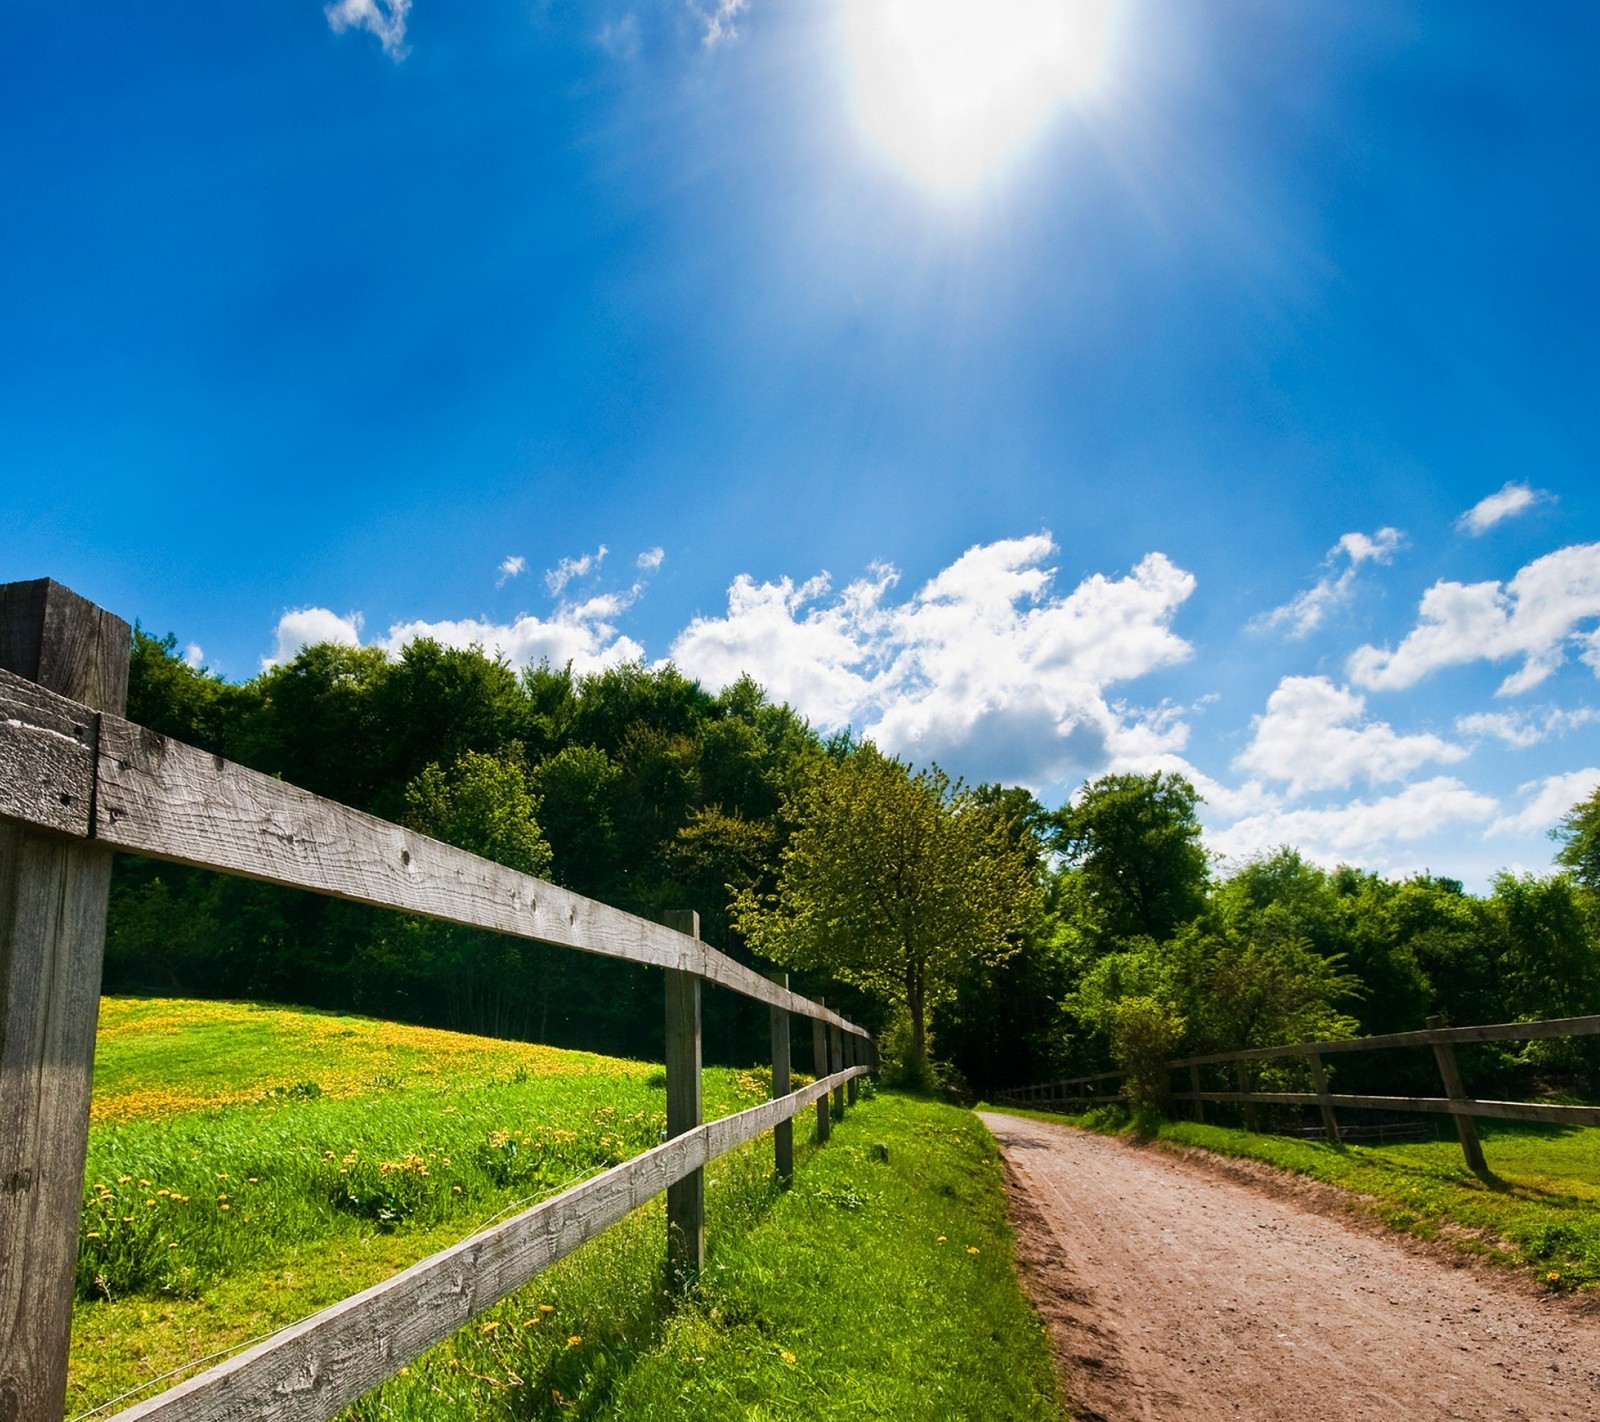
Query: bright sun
[[952, 89]]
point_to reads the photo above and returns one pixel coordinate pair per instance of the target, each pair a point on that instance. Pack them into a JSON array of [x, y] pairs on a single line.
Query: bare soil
[[1176, 1291]]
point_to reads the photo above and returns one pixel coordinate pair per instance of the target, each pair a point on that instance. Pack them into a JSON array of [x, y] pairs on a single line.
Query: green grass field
[[1540, 1212], [249, 1165]]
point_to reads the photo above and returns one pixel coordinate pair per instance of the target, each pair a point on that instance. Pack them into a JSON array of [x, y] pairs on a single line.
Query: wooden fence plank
[[783, 1132], [158, 797], [819, 1069], [1488, 1032], [1425, 1105], [1450, 1074], [315, 1368], [686, 1198], [47, 760], [835, 1066], [53, 895], [1319, 1084]]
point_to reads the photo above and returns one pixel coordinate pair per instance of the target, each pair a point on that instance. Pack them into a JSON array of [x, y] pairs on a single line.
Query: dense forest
[[989, 939]]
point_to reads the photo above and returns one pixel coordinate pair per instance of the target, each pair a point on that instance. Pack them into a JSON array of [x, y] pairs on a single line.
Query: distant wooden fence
[[77, 781], [1079, 1092]]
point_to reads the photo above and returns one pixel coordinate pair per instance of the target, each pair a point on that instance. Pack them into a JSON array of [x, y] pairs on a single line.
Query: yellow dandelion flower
[[787, 1357], [1553, 1276], [222, 1207], [547, 1308], [148, 1204], [940, 1240], [93, 1234], [490, 1327], [145, 1183], [972, 1249], [576, 1339]]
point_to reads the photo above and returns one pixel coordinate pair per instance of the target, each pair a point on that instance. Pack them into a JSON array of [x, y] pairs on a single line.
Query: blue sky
[[1041, 387]]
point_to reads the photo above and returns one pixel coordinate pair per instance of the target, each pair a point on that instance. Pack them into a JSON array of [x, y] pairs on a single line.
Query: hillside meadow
[[251, 1164]]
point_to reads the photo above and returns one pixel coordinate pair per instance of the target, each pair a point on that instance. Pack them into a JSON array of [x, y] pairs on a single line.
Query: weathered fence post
[[53, 897], [1242, 1075], [1194, 1088], [852, 1057], [783, 1132], [1450, 1073], [836, 1064], [1319, 1082], [819, 1058], [686, 1201]]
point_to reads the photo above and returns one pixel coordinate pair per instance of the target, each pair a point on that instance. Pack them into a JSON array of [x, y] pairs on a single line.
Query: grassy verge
[[880, 1285], [352, 1148], [1540, 1212]]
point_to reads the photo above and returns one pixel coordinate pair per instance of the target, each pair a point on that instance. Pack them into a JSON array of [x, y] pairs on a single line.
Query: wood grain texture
[[819, 1068], [783, 1132], [311, 1370], [1444, 1054], [46, 759], [167, 800], [1319, 1084], [53, 895], [686, 1198]]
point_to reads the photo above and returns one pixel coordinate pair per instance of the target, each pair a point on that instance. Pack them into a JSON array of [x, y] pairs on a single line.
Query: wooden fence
[[77, 782], [1078, 1093]]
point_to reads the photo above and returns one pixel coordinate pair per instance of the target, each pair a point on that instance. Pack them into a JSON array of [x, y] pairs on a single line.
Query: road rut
[[1174, 1293]]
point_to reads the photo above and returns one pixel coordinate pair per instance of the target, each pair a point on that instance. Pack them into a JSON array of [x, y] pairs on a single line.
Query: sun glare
[[951, 90]]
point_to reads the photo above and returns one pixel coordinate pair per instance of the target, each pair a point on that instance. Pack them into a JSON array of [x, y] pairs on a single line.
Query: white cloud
[[985, 667], [719, 21], [583, 635], [1521, 729], [567, 569], [650, 559], [1547, 801], [193, 656], [513, 567], [306, 626], [384, 18], [1532, 617], [1306, 611], [1362, 831], [1313, 735], [1511, 500]]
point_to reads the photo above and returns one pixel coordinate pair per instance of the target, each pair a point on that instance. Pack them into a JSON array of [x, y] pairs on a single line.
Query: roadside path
[[1176, 1295]]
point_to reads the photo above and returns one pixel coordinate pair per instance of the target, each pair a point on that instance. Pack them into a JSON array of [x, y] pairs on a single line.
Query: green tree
[[894, 883], [1579, 833], [1134, 840]]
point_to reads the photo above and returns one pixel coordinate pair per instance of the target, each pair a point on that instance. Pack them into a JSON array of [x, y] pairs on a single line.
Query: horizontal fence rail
[[77, 781], [95, 776], [1443, 1040]]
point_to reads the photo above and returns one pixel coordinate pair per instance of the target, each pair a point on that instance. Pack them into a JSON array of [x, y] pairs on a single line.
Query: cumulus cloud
[[1511, 500], [306, 626], [513, 567], [1533, 617], [719, 20], [386, 19], [557, 578], [193, 656], [1315, 736], [1547, 801], [583, 635], [1521, 729], [650, 559], [986, 666], [1307, 610], [1361, 831]]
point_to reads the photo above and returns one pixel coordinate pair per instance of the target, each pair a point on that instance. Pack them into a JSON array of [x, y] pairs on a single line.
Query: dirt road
[[1178, 1295]]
